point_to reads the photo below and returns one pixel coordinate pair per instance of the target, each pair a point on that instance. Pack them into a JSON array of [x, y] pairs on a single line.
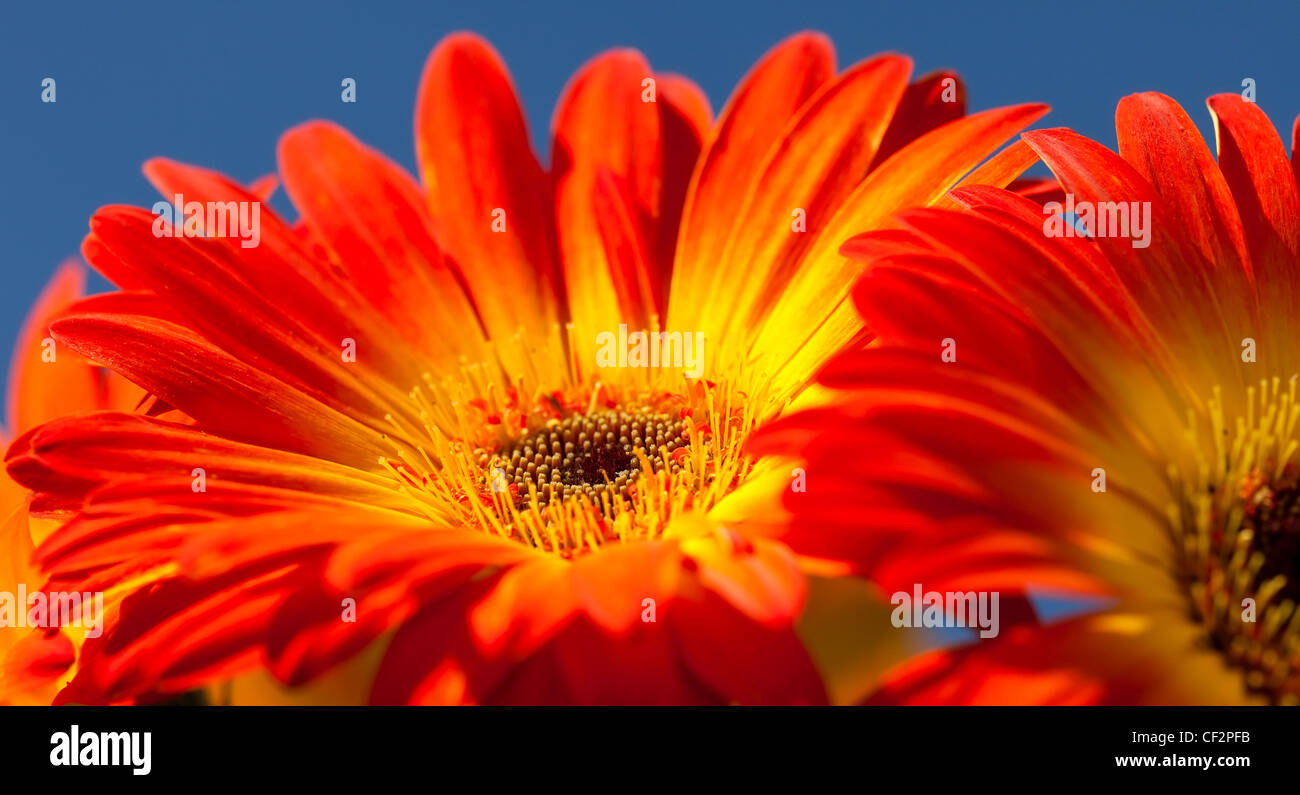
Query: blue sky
[[216, 84]]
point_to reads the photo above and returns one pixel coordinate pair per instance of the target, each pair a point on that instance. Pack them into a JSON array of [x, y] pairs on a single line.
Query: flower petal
[[372, 218], [604, 130], [47, 380], [489, 199], [917, 175], [750, 126]]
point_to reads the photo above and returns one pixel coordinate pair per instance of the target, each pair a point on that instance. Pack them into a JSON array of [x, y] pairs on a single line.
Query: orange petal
[[1253, 159], [998, 171], [921, 173], [67, 458], [200, 379], [16, 566], [752, 123], [930, 102], [479, 172], [371, 216], [685, 121], [50, 380], [1161, 142], [1157, 275], [602, 127], [209, 283], [818, 163], [1295, 149]]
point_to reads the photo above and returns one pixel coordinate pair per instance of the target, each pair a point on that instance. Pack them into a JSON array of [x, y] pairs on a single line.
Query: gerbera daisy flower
[[46, 381], [1116, 424], [411, 432]]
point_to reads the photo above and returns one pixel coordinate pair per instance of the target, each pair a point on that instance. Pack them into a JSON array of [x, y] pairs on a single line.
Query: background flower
[[45, 381], [1118, 425]]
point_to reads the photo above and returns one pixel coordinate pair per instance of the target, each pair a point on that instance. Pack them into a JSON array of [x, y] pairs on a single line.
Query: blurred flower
[[45, 381], [1116, 431]]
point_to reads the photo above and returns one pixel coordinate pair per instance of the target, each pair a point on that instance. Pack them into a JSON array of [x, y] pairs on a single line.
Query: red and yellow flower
[[401, 441], [1119, 421]]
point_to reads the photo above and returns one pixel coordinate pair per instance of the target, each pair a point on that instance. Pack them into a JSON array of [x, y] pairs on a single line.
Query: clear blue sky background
[[216, 83]]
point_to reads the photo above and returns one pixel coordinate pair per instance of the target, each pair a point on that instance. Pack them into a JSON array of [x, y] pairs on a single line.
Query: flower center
[[532, 448], [1272, 517], [1241, 539], [598, 455]]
